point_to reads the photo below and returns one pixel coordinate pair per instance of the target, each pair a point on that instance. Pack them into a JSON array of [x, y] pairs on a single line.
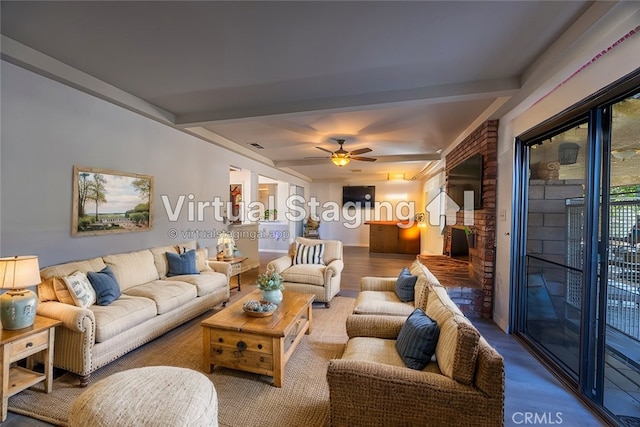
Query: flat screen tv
[[467, 176], [360, 195]]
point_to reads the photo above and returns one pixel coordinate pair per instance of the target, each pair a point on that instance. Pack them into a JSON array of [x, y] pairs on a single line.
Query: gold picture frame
[[126, 200]]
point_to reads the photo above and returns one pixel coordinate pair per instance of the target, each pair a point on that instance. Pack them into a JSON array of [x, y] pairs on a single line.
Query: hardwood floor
[[531, 391]]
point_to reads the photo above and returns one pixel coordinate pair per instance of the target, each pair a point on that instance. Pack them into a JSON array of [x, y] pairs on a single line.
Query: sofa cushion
[[77, 290], [105, 284], [416, 342], [184, 263], [160, 258], [405, 285], [415, 268], [121, 315], [133, 268], [305, 273], [166, 294], [421, 292], [378, 350], [381, 303], [367, 349], [206, 282], [439, 306], [426, 279], [457, 349], [308, 254], [46, 291]]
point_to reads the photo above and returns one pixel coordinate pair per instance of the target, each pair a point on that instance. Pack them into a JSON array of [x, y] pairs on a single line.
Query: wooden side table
[[236, 269], [20, 344]]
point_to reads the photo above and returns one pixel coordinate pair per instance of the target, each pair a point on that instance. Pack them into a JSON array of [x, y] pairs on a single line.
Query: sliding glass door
[[578, 252], [620, 382], [554, 249]]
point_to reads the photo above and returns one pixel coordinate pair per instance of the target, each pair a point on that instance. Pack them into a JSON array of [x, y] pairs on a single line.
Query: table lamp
[[18, 305], [226, 245]]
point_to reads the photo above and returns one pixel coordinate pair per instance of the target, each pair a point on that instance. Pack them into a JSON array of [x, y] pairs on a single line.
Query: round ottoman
[[151, 396]]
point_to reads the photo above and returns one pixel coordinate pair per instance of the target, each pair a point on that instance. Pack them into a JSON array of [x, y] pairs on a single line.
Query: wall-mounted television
[[467, 176], [360, 195]]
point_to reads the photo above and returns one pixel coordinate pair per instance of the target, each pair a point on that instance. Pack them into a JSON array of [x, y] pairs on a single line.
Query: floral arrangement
[[270, 281], [226, 237]]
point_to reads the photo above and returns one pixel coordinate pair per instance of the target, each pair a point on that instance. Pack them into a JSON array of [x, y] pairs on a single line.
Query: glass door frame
[[597, 112]]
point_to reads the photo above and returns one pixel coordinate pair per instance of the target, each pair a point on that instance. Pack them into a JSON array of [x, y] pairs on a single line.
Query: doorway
[[576, 255]]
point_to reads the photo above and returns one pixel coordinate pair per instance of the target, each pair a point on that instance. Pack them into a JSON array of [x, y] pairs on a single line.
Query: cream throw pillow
[[79, 289], [202, 263]]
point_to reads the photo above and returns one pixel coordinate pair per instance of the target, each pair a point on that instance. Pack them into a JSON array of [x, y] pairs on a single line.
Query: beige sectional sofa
[[370, 385], [150, 305]]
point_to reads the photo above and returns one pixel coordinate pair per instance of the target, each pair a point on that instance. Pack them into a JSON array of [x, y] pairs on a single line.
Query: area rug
[[244, 399]]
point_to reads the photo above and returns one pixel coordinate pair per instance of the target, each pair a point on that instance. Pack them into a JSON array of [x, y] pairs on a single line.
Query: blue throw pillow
[[180, 264], [417, 340], [105, 284], [405, 284]]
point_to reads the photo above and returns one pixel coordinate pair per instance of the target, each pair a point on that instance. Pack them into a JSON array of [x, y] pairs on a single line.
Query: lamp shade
[[19, 272]]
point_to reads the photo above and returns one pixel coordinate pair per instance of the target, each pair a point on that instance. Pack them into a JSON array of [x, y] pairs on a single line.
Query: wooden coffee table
[[261, 345]]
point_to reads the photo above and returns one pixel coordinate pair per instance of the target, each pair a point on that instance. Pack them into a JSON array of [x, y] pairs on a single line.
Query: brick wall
[[482, 255]]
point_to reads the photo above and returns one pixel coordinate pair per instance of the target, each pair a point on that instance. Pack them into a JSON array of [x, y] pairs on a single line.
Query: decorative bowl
[[254, 308]]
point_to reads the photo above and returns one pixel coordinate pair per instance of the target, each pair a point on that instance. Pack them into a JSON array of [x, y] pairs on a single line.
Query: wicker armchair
[[371, 386]]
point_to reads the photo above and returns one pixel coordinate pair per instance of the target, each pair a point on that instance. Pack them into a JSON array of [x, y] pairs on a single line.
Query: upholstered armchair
[[313, 267]]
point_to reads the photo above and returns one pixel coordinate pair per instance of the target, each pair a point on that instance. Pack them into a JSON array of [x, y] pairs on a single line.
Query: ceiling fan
[[342, 157]]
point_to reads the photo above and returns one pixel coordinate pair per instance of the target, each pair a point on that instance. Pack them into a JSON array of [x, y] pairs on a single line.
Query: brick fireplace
[[481, 244]]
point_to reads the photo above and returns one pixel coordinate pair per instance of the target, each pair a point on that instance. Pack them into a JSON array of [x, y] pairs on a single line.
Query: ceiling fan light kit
[[342, 157]]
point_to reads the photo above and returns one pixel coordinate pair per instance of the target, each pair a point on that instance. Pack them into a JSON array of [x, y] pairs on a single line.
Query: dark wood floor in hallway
[[531, 391]]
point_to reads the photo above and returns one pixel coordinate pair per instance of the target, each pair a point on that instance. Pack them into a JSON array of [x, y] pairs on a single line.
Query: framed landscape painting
[[107, 201]]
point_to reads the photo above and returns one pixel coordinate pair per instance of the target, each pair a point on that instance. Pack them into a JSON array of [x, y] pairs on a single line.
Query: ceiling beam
[[434, 94], [380, 159]]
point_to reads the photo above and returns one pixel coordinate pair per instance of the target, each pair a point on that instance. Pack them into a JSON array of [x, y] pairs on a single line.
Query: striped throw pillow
[[309, 254], [417, 340]]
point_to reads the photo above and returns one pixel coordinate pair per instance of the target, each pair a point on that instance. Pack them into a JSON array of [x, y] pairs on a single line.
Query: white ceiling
[[406, 79]]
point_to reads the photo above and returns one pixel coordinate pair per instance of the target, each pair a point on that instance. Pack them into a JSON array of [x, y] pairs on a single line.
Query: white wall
[[47, 128], [614, 64], [350, 228], [432, 240]]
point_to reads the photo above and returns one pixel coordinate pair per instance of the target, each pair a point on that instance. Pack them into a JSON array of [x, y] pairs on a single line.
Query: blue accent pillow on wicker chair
[[416, 342], [405, 285]]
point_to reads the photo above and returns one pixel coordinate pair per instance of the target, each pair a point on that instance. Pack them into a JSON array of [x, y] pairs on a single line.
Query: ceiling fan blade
[[324, 149], [364, 159], [360, 151]]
